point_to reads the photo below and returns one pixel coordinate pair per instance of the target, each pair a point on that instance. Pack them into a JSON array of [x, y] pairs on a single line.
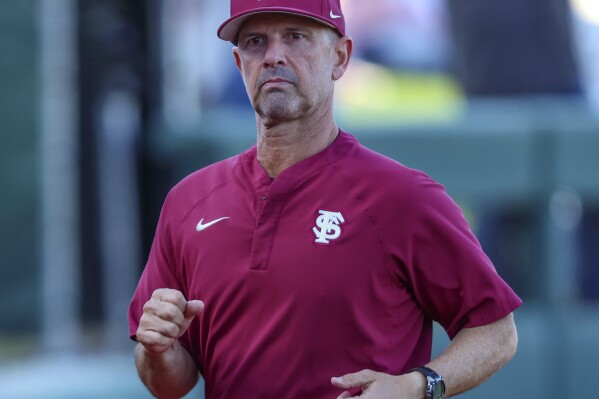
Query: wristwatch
[[435, 387]]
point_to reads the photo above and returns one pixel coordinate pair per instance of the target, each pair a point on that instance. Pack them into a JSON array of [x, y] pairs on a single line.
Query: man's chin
[[273, 119], [277, 111]]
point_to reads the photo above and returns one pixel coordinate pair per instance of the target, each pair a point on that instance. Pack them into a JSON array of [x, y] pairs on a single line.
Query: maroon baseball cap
[[325, 11]]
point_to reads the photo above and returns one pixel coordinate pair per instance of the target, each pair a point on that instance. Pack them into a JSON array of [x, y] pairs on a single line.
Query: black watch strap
[[435, 387]]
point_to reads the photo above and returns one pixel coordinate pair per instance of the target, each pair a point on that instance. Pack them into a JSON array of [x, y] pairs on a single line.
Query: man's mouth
[[276, 82]]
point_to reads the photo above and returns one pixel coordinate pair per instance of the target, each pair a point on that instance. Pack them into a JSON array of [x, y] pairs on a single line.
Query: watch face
[[438, 391]]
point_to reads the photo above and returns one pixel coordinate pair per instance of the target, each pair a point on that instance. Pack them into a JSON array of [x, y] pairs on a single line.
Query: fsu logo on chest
[[328, 226]]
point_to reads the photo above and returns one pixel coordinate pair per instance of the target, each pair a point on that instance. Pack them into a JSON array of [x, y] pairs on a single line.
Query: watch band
[[435, 387]]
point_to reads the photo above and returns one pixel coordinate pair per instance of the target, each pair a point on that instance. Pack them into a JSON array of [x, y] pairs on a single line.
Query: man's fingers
[[171, 296], [193, 309], [168, 313], [354, 382], [361, 379], [164, 310], [154, 341], [155, 323], [188, 309]]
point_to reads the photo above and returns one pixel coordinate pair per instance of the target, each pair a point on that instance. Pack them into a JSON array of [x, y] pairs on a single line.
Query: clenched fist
[[166, 316]]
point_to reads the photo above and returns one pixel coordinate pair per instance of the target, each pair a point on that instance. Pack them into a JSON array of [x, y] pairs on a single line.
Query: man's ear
[[237, 59], [343, 51]]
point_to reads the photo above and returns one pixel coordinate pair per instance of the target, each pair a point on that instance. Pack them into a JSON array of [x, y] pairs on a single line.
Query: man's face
[[287, 63]]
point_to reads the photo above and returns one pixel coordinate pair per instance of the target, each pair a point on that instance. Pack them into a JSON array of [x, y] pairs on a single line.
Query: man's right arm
[[171, 374], [164, 366]]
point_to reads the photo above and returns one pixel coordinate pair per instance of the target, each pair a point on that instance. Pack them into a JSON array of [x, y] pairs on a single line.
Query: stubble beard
[[278, 106]]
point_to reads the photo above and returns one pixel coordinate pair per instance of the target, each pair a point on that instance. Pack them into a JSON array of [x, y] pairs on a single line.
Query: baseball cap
[[326, 11]]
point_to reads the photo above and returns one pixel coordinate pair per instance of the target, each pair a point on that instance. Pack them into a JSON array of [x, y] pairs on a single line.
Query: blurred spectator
[[514, 47], [586, 33], [401, 67], [402, 34]]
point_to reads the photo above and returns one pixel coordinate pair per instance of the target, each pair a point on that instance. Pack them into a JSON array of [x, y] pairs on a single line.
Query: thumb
[[193, 309], [354, 380]]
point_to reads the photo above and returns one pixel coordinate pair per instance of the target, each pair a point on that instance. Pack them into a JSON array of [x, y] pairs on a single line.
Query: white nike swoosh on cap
[[334, 16], [201, 226]]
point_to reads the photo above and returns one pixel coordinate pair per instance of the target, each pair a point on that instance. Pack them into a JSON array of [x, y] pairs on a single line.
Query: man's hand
[[164, 366], [166, 316], [382, 386]]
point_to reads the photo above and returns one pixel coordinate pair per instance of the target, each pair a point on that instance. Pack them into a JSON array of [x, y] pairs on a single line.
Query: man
[[309, 266]]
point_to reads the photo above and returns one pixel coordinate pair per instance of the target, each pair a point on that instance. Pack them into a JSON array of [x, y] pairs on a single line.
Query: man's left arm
[[471, 358]]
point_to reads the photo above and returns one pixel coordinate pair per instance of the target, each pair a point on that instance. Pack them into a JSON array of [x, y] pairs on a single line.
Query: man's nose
[[275, 54]]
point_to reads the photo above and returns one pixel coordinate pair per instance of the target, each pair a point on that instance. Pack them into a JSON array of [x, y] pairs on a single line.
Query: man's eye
[[296, 36], [255, 40]]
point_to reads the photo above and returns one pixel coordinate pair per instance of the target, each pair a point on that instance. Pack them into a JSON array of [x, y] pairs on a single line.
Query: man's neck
[[285, 144]]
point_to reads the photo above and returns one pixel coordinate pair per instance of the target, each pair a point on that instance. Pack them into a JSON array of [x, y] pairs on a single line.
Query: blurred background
[[105, 104]]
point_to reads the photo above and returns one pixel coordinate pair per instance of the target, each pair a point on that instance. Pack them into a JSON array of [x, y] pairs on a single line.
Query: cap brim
[[229, 29]]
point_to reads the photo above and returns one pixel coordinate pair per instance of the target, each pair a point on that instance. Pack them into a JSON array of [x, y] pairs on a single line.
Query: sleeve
[[160, 272], [452, 279]]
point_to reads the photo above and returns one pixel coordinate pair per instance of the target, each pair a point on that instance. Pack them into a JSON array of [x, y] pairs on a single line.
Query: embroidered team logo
[[327, 226]]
